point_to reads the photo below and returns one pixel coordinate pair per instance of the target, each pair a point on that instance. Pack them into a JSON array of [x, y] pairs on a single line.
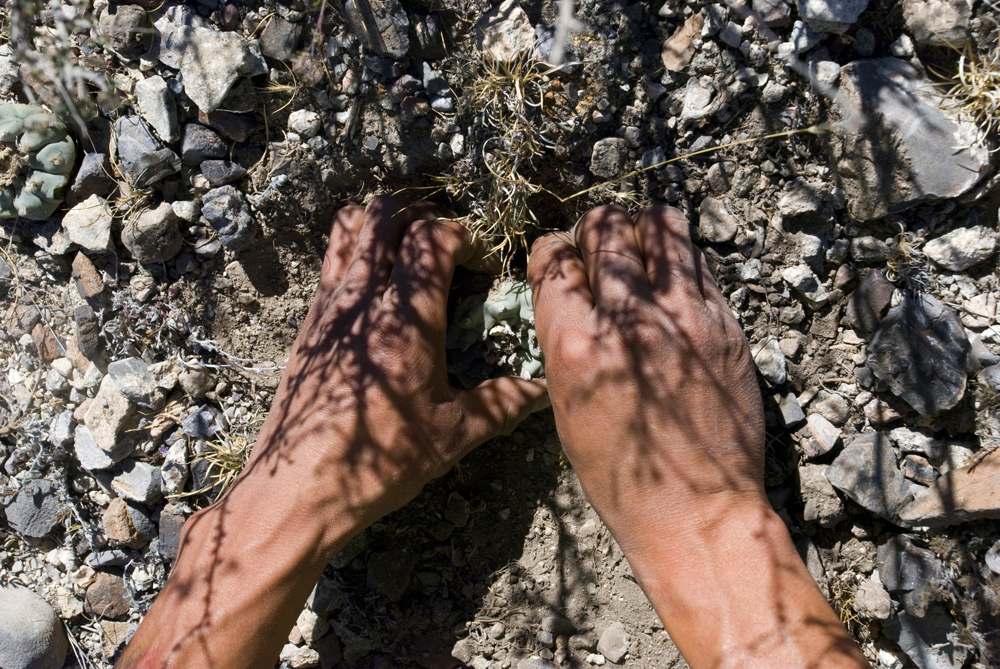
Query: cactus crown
[[36, 157]]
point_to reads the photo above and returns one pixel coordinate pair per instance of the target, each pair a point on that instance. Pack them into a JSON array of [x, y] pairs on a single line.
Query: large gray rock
[[134, 380], [898, 148], [831, 16], [31, 634], [925, 639], [34, 511], [155, 103], [867, 472], [715, 223], [153, 236], [938, 22], [921, 351], [139, 482], [960, 249]]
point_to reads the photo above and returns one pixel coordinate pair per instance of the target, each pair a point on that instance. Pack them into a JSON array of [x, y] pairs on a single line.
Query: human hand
[[657, 406]]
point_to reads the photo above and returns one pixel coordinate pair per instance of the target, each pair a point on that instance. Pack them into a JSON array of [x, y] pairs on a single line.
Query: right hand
[[650, 376]]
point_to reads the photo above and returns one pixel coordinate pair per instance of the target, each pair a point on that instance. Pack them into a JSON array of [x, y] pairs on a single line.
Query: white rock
[[770, 361], [962, 248], [306, 123], [803, 281], [312, 626], [505, 31], [299, 658], [872, 600], [89, 224], [174, 471]]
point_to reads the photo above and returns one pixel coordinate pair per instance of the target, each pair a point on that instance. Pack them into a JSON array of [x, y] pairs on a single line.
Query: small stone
[[139, 516], [804, 282], [608, 157], [106, 597], [803, 37], [93, 178], [139, 481], [679, 49], [108, 558], [228, 213], [107, 415], [505, 31], [171, 525], [770, 361], [938, 22], [800, 199], [279, 38], [114, 635], [134, 381], [91, 456], [558, 625], [89, 282], [917, 468], [825, 73], [867, 303], [697, 100], [963, 248], [31, 634], [879, 413], [383, 25], [992, 558], [199, 143], [305, 123], [866, 471], [715, 223], [61, 429], [155, 103], [614, 642], [869, 250], [832, 407], [174, 470], [912, 441], [820, 436], [921, 352], [118, 525], [34, 511], [89, 224], [457, 510], [127, 29], [196, 382], [871, 600], [959, 495], [463, 650], [535, 663], [731, 35], [774, 13], [831, 16], [45, 343], [221, 172], [311, 626], [153, 236], [820, 501], [583, 642], [791, 410]]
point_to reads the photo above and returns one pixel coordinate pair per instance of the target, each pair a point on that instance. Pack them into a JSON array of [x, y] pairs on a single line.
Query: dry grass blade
[[226, 458], [977, 86]]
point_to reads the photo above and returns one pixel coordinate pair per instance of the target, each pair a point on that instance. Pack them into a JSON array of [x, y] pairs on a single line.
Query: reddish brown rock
[[118, 525], [88, 279], [959, 495], [106, 597], [45, 342], [679, 49]]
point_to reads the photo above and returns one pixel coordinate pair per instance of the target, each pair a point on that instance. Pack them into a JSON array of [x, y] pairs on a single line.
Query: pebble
[[791, 410], [832, 407], [88, 224], [820, 501], [800, 198], [106, 597], [804, 282], [34, 511], [279, 38], [31, 634], [89, 282], [108, 558], [731, 35], [871, 599], [221, 172], [199, 143], [457, 510], [959, 495], [153, 236], [866, 471], [962, 248], [305, 123], [831, 16], [819, 436], [715, 223], [803, 37], [774, 13], [608, 157], [134, 381], [127, 30], [505, 31], [107, 415], [770, 361], [299, 657], [139, 482], [90, 456], [925, 331], [614, 642], [118, 525], [196, 381], [174, 470], [917, 468], [155, 103], [93, 178], [61, 429], [312, 626], [228, 213]]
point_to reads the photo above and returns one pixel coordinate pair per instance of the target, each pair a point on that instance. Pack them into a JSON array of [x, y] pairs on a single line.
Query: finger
[[422, 274], [497, 406], [671, 261], [560, 289], [343, 239], [386, 219], [607, 243]]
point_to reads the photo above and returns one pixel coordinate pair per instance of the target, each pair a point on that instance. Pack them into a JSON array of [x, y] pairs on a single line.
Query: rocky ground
[[147, 316]]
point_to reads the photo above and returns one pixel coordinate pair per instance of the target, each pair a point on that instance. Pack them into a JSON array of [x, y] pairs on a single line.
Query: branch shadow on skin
[[364, 406], [653, 334]]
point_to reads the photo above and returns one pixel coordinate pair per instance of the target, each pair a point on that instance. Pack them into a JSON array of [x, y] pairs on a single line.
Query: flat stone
[[299, 657], [156, 166], [678, 49], [535, 663], [770, 361], [457, 510], [174, 470], [819, 437], [389, 573], [912, 441], [91, 456], [614, 642], [608, 157], [46, 344], [228, 213], [803, 37], [820, 501], [108, 414], [23, 321], [697, 100], [917, 468], [880, 413], [106, 597], [866, 471], [791, 410], [871, 599], [831, 406], [139, 481], [505, 31], [171, 525], [221, 172], [868, 301], [119, 526], [134, 381], [155, 103], [921, 352], [774, 13], [235, 126], [61, 429], [962, 248], [914, 573], [958, 496], [133, 140], [88, 332], [199, 143], [280, 37], [925, 639], [831, 16], [93, 178], [127, 29], [108, 558], [34, 511], [715, 223], [31, 634], [89, 224], [905, 148], [803, 281], [311, 625], [153, 236], [938, 22], [382, 24], [89, 282]]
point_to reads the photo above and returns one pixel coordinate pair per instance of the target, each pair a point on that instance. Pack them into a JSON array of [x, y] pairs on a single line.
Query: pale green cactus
[[495, 337], [36, 157]]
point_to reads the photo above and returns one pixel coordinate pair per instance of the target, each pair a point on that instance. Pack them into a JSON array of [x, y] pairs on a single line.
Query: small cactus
[[36, 157]]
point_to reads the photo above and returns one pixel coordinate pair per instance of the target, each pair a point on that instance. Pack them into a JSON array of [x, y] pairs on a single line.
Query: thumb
[[496, 406]]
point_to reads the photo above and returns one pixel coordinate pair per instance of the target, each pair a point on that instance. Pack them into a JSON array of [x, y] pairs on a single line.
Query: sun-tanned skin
[[655, 401]]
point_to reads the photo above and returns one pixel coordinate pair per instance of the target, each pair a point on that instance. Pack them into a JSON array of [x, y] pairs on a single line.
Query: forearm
[[732, 592]]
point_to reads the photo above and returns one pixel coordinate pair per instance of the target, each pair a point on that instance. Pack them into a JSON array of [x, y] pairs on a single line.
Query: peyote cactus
[[36, 157], [496, 336]]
